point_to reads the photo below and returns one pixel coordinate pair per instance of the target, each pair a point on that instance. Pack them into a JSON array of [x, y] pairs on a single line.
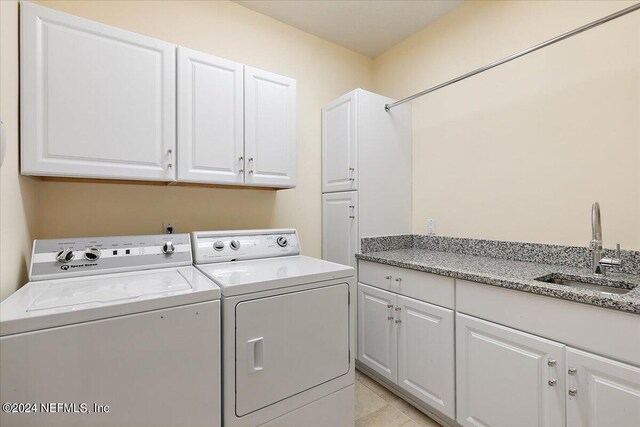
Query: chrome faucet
[[599, 263]]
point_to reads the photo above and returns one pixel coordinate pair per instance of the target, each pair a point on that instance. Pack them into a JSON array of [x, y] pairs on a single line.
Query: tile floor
[[378, 407]]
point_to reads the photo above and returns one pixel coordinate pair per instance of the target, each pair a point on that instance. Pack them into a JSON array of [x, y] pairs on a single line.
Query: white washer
[[124, 322], [288, 330]]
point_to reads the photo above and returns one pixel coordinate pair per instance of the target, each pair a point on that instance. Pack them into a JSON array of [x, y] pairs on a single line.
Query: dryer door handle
[[255, 350]]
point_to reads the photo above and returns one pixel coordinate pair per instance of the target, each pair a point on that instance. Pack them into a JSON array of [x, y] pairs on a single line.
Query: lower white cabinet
[[601, 392], [340, 227], [377, 333], [425, 353], [507, 378], [410, 343]]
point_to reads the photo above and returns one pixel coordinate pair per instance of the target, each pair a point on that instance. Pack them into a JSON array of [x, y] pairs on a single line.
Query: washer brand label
[[68, 266]]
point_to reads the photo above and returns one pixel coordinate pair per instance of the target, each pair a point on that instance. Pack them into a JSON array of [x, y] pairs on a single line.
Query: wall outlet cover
[[431, 226]]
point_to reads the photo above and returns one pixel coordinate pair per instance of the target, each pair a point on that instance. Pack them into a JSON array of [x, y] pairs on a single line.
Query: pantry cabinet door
[[377, 331], [507, 378], [270, 129], [340, 228], [210, 119], [601, 392], [339, 144], [426, 354], [96, 101]]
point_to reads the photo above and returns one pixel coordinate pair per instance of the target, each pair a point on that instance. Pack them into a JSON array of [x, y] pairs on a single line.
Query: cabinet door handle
[[398, 321], [398, 279], [552, 382], [389, 305], [573, 392], [398, 308], [251, 165], [572, 370], [551, 362], [388, 277], [169, 154]]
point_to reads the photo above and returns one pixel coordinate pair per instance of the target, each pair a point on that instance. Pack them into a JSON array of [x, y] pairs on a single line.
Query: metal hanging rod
[[549, 42]]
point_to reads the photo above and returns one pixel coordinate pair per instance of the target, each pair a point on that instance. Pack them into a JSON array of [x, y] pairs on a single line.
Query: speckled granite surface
[[511, 274], [573, 256]]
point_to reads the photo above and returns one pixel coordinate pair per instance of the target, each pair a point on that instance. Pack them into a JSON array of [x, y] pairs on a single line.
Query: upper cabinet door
[[339, 139], [601, 392], [425, 353], [507, 378], [96, 101], [270, 129], [210, 122]]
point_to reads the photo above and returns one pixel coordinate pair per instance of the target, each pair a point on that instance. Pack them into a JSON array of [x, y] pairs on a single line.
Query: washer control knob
[[282, 241], [219, 245], [235, 245], [65, 255], [168, 248], [91, 254]]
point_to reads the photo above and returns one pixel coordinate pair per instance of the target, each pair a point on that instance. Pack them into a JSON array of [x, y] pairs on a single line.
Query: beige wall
[[323, 71], [18, 195], [520, 152]]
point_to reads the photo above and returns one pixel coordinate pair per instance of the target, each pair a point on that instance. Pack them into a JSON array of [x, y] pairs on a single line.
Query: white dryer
[[288, 330], [112, 331]]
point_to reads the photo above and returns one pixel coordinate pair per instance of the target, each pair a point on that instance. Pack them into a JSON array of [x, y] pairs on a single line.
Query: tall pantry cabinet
[[366, 172]]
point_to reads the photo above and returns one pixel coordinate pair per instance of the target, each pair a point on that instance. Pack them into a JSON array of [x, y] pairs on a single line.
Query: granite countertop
[[518, 275]]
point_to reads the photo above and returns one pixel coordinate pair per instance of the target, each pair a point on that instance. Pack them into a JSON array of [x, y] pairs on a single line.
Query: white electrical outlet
[[168, 228], [431, 226]]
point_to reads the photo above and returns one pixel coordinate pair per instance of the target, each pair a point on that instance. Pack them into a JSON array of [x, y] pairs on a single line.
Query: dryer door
[[286, 344]]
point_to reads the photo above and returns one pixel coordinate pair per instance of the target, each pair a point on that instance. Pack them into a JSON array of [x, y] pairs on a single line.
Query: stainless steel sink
[[608, 286]]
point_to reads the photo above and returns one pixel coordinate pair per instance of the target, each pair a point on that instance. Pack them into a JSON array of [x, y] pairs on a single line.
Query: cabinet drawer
[[426, 287]]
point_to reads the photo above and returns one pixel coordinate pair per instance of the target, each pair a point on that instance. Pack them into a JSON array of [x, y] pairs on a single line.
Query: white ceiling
[[366, 26]]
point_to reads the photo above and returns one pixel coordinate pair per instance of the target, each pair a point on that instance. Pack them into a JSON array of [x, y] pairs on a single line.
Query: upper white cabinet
[[601, 392], [506, 377], [270, 129], [96, 101], [100, 102], [339, 139], [210, 119]]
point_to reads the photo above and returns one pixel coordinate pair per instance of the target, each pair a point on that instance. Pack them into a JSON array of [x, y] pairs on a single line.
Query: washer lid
[[50, 303], [108, 290], [242, 277]]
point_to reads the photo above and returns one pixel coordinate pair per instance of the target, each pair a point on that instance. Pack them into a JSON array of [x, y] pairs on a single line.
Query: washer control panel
[[57, 258], [223, 246]]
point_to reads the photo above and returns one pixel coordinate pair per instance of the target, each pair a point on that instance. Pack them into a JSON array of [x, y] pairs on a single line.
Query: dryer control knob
[[168, 248], [92, 254], [235, 245], [282, 241], [65, 255], [219, 245]]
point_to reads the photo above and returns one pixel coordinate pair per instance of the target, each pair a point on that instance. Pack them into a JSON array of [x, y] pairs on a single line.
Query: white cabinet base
[[604, 393], [505, 377]]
